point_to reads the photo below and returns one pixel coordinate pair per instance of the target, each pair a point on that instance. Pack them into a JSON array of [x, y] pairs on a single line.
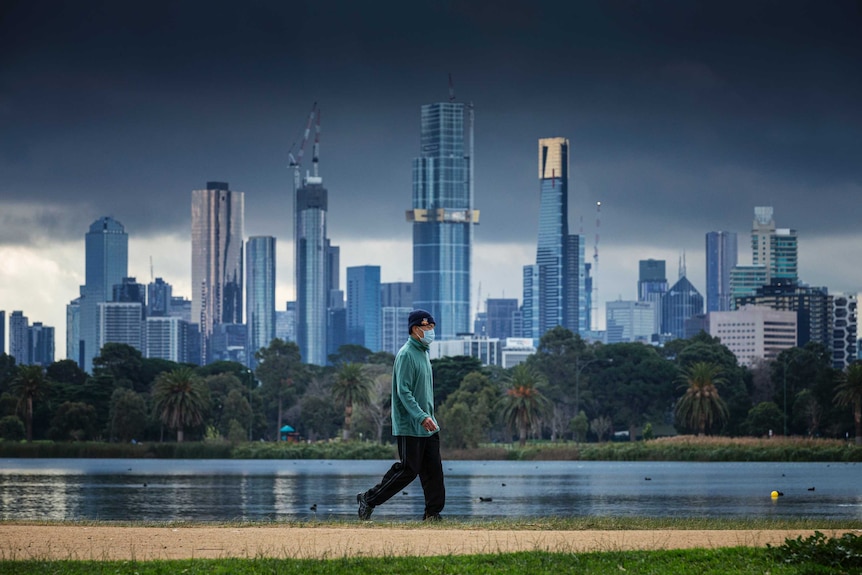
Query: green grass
[[728, 561]]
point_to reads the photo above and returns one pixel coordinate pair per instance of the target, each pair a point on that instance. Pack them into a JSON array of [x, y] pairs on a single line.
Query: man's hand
[[429, 424]]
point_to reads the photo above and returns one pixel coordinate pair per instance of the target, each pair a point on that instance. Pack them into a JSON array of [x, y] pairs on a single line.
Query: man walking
[[413, 425]]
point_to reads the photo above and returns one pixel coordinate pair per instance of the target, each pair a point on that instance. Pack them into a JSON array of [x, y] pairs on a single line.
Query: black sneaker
[[365, 510]]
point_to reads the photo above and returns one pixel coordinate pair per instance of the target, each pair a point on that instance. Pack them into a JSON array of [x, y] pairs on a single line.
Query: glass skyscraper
[[721, 257], [106, 264], [260, 293], [774, 248], [681, 302], [312, 270], [556, 289], [443, 216], [217, 239], [363, 306]]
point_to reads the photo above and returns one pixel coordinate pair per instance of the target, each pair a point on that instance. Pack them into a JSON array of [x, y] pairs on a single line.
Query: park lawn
[[725, 561]]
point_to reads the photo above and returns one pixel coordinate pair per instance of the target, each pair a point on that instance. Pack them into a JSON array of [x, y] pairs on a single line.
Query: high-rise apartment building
[[393, 328], [363, 306], [19, 346], [559, 256], [217, 259], [443, 216], [844, 330], [107, 263], [721, 258], [745, 281], [813, 306], [120, 322], [166, 338], [773, 248], [313, 270], [260, 293]]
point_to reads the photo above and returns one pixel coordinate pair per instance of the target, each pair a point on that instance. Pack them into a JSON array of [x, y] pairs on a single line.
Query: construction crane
[[595, 271], [296, 162]]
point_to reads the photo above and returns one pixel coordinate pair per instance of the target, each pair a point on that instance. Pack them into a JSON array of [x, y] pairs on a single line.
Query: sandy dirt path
[[21, 542]]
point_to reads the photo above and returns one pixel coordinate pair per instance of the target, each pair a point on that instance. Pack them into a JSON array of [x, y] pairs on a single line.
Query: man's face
[[420, 330]]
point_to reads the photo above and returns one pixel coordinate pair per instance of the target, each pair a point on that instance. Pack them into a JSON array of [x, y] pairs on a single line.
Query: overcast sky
[[682, 116]]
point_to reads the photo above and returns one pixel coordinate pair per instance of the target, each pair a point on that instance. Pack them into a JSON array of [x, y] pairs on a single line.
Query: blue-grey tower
[[721, 257], [363, 306], [106, 264], [260, 293], [443, 216]]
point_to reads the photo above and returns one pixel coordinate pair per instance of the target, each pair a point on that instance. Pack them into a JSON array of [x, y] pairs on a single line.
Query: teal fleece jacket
[[412, 390]]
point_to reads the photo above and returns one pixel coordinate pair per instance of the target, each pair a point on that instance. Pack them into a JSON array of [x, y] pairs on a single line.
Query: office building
[[393, 328], [754, 333], [40, 338], [260, 294], [721, 257], [813, 306], [130, 291], [486, 350], [559, 292], [119, 322], [285, 322], [500, 318], [516, 350], [314, 257], [2, 332], [363, 306], [19, 346], [443, 216], [844, 330], [181, 308], [396, 294], [229, 342], [652, 285], [629, 321], [107, 263], [681, 302], [159, 294], [217, 259]]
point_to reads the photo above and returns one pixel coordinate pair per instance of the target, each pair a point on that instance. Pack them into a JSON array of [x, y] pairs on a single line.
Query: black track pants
[[419, 456]]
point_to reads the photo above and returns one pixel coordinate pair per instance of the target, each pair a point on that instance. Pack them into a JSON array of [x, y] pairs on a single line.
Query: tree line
[[567, 390]]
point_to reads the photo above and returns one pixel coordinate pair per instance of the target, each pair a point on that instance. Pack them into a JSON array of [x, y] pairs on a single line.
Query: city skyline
[[681, 119]]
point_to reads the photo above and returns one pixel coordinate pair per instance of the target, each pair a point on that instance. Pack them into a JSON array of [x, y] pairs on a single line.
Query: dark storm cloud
[[682, 116]]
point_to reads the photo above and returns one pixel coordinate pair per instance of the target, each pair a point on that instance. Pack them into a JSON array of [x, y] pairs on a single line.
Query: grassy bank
[[680, 448]]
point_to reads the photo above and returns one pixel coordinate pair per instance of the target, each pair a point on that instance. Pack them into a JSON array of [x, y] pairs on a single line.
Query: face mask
[[428, 337]]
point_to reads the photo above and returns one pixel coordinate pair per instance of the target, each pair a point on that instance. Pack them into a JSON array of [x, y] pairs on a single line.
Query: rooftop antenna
[[152, 279], [315, 150], [451, 88]]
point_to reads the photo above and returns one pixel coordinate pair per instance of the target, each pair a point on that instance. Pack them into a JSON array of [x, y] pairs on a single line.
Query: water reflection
[[215, 490]]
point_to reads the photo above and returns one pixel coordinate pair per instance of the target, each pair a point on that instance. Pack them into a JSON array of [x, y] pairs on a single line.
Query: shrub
[[843, 552]]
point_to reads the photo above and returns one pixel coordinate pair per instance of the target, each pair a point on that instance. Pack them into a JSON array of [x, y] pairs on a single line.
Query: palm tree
[[352, 387], [849, 392], [701, 407], [181, 399], [524, 404], [29, 385]]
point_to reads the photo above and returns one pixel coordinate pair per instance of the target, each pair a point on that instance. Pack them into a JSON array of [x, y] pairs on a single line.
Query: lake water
[[252, 490]]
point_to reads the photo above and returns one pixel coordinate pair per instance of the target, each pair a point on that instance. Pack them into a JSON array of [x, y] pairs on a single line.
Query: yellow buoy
[[774, 494]]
